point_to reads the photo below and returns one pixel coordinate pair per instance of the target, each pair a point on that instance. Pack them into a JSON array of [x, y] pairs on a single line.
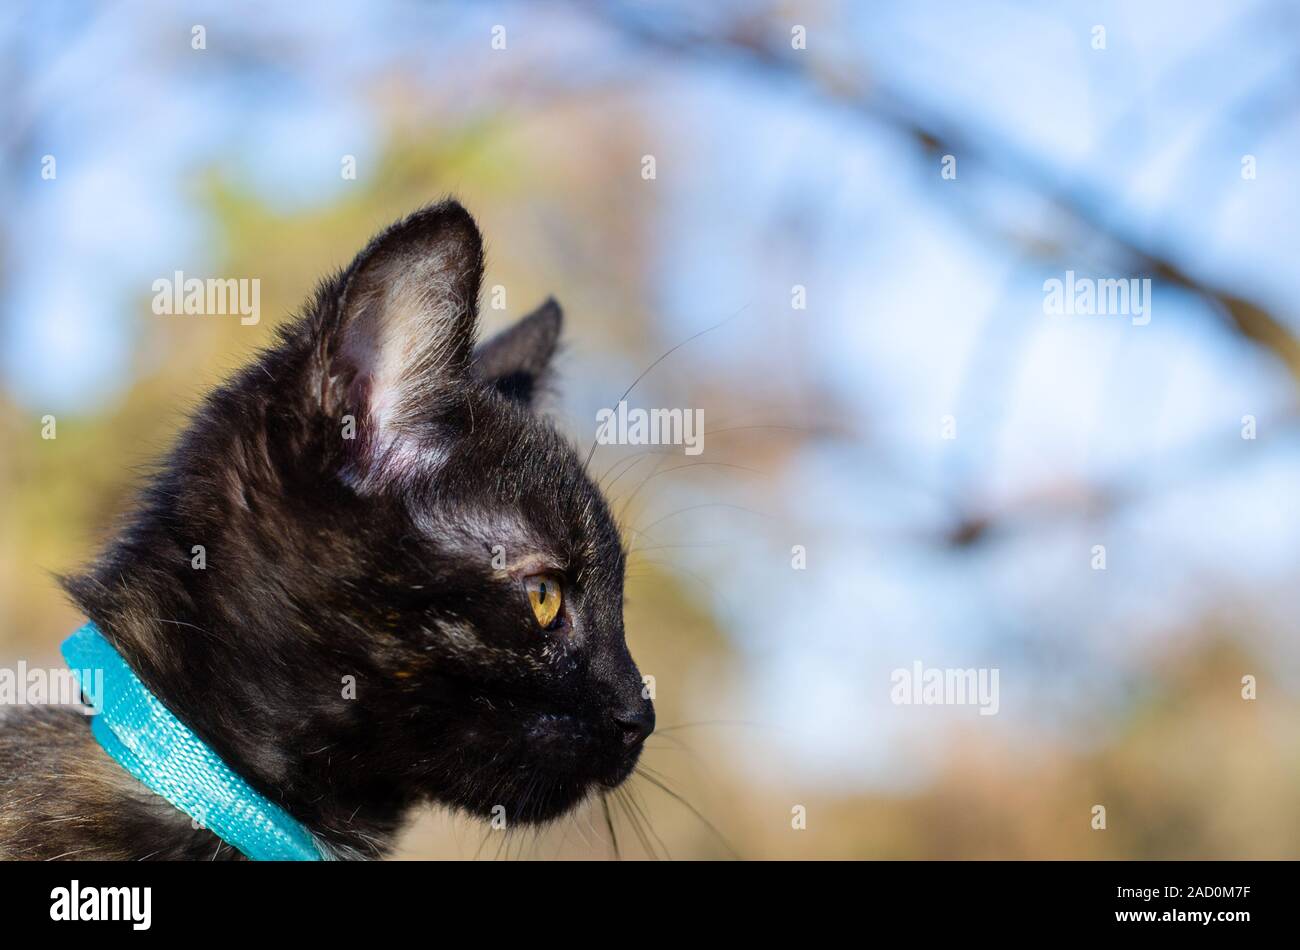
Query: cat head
[[411, 587]]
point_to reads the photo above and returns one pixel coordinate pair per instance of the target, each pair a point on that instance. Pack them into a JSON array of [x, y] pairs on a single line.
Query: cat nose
[[635, 723]]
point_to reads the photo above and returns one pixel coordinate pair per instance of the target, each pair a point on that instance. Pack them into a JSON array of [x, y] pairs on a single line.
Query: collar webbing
[[143, 736]]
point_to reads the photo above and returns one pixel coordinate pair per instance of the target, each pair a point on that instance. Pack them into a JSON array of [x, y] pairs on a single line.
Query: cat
[[428, 611]]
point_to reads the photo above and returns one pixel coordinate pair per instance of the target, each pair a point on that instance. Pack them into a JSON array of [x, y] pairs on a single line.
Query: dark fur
[[369, 558]]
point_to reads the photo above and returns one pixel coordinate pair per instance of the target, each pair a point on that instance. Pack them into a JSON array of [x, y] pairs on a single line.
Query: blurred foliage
[[1188, 769]]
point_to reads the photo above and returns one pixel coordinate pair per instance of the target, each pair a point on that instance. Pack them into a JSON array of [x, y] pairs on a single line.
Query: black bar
[[971, 898]]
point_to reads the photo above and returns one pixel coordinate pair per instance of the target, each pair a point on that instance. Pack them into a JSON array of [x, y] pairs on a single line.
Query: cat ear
[[517, 360], [406, 322]]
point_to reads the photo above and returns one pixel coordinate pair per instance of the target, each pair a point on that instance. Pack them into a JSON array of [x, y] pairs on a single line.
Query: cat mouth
[[551, 795], [559, 761], [621, 770]]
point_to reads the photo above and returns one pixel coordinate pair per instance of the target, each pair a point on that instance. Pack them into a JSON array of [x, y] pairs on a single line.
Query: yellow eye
[[546, 596]]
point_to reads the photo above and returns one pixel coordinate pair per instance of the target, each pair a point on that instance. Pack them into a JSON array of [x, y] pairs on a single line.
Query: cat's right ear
[[402, 336], [518, 359]]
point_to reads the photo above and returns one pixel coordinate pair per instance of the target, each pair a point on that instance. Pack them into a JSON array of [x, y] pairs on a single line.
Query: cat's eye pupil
[[546, 597]]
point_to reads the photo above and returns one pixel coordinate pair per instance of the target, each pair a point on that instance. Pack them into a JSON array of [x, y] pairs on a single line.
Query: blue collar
[[139, 732]]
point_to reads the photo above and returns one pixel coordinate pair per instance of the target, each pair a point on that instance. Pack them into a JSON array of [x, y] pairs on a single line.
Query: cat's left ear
[[518, 359]]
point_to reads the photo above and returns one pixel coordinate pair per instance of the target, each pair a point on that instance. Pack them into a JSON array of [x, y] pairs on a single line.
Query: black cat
[[412, 589]]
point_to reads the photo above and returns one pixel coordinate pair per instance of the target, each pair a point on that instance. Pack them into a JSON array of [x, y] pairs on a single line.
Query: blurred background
[[1162, 147]]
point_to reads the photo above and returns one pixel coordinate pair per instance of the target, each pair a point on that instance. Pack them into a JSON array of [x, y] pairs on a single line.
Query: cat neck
[[266, 726], [211, 597]]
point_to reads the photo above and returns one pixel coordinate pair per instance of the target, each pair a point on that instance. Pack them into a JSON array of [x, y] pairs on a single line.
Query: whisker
[[682, 511], [678, 745], [626, 392], [609, 824], [685, 572], [691, 808], [623, 508], [505, 837], [636, 803], [673, 547], [482, 844], [709, 722], [812, 430], [622, 798], [635, 458], [573, 823], [677, 468]]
